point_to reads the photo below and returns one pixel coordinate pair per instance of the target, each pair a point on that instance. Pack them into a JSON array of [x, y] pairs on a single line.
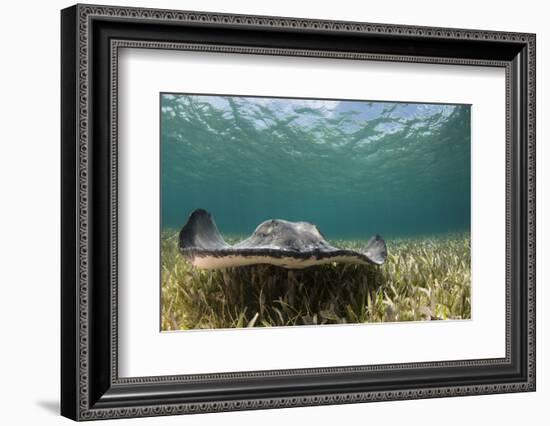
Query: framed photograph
[[263, 212]]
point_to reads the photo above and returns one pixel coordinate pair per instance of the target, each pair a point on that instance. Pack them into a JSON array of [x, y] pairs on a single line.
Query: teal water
[[354, 168]]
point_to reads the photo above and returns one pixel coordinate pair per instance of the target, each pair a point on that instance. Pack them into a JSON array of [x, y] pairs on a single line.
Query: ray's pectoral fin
[[200, 232], [376, 250]]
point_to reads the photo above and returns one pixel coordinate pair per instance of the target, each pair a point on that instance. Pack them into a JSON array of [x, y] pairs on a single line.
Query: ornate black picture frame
[[91, 36]]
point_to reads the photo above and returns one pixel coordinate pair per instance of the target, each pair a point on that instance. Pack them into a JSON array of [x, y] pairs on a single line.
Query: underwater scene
[[285, 211]]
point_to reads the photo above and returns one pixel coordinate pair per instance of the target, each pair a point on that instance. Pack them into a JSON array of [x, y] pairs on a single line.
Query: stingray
[[292, 245]]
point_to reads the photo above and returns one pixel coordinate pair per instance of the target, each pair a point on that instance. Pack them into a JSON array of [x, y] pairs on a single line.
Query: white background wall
[[29, 211]]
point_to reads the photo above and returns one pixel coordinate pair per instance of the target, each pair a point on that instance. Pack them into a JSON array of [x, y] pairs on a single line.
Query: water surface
[[354, 168]]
